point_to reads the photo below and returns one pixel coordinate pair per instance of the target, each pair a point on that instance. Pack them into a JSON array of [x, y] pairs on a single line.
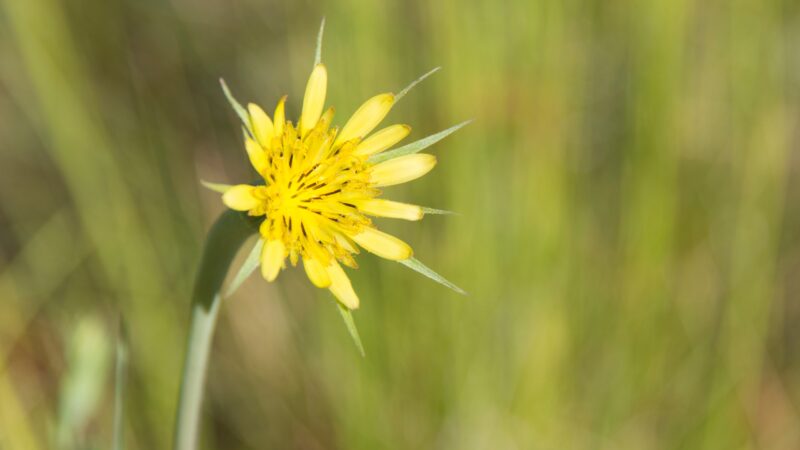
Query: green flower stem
[[227, 235]]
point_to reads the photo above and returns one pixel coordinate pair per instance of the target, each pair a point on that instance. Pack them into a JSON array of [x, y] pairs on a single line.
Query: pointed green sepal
[[403, 93], [216, 187], [416, 265], [427, 210], [248, 267], [318, 51], [240, 111], [347, 316], [416, 146]]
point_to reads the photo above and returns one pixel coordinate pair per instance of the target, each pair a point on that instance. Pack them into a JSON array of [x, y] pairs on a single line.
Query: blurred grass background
[[629, 230]]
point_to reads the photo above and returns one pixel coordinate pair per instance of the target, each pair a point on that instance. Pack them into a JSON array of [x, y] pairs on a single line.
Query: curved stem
[[224, 239]]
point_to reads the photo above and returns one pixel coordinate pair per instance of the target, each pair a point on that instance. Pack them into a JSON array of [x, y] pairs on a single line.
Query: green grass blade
[[417, 146], [416, 265], [248, 267], [121, 375], [347, 316], [240, 111], [216, 187]]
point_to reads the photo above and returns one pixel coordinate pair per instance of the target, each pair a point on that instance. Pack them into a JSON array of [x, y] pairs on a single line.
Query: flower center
[[311, 193]]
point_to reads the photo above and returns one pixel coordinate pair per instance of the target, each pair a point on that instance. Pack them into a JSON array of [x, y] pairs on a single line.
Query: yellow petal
[[272, 256], [345, 242], [316, 272], [280, 117], [258, 158], [366, 118], [314, 99], [341, 287], [326, 119], [240, 198], [387, 208], [262, 125], [402, 169], [382, 244], [383, 139]]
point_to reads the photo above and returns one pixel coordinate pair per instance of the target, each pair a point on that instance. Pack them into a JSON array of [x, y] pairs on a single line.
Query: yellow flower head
[[321, 185]]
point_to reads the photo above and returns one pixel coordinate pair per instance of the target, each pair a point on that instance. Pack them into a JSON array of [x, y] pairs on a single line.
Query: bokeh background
[[629, 227]]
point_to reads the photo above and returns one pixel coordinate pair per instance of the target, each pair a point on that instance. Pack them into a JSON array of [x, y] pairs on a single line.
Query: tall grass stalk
[[121, 377]]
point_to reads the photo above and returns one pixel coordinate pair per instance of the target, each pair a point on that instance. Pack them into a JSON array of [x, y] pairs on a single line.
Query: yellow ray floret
[[261, 124], [387, 208], [402, 169], [366, 118], [320, 188], [382, 244], [314, 100], [240, 198], [316, 272], [383, 140], [257, 155]]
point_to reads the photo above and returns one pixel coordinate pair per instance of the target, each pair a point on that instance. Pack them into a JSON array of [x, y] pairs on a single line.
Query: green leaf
[[347, 316], [416, 146], [318, 51], [216, 187], [248, 267], [240, 111], [427, 210], [414, 83], [415, 264]]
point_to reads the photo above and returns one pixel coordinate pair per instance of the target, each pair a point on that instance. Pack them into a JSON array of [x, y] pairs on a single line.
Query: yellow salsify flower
[[322, 185]]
